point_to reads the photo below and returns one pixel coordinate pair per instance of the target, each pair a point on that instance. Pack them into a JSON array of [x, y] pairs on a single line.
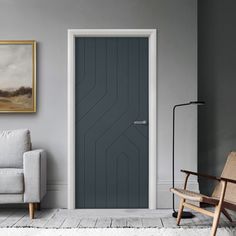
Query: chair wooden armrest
[[228, 180], [202, 175]]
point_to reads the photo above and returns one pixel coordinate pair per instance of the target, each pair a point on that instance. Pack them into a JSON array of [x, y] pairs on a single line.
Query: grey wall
[[217, 84], [47, 22]]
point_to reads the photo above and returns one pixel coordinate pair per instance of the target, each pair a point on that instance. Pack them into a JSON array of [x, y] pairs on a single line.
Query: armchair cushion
[[11, 181], [13, 143]]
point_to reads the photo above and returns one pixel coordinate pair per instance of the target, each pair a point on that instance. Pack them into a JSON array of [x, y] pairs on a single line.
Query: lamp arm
[[182, 104]]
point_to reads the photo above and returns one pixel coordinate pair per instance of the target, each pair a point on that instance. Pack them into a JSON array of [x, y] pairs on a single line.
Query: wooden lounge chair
[[223, 196]]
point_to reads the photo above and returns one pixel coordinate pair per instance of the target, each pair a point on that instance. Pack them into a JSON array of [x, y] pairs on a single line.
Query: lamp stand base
[[185, 215]]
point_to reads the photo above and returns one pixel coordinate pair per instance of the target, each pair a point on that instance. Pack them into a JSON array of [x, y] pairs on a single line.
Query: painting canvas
[[17, 76]]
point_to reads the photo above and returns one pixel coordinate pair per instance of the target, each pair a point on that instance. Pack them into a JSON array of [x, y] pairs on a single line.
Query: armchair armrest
[[202, 175], [228, 180], [34, 165]]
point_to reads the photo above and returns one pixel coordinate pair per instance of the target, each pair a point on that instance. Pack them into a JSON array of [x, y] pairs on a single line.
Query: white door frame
[[151, 34]]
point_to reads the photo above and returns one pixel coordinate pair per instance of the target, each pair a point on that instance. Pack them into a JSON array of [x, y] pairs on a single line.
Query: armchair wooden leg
[[215, 221], [31, 210], [181, 207], [218, 209]]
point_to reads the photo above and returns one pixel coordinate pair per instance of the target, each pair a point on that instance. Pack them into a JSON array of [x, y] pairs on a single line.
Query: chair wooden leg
[[215, 220], [31, 210], [218, 209], [181, 207], [227, 215]]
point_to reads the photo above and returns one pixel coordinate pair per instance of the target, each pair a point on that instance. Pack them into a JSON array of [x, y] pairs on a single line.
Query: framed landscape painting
[[18, 76]]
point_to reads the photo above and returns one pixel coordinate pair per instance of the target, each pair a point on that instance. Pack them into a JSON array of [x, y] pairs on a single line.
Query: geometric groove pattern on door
[[111, 93]]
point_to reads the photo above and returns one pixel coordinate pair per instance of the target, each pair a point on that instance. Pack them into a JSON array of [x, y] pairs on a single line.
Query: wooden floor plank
[[195, 219], [187, 223], [71, 222], [42, 219], [55, 221], [169, 222], [152, 222], [103, 223], [87, 223], [26, 221], [118, 222], [134, 223], [204, 220], [13, 218], [4, 214]]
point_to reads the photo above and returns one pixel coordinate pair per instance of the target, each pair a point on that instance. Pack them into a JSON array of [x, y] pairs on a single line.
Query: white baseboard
[[57, 194], [164, 196]]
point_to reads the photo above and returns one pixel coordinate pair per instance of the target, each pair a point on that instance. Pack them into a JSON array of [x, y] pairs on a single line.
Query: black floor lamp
[[185, 214]]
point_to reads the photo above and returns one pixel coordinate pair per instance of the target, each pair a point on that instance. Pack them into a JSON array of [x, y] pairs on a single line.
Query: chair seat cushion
[[11, 181]]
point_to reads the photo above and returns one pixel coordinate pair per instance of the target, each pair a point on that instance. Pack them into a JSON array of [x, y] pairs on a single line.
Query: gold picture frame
[[17, 76]]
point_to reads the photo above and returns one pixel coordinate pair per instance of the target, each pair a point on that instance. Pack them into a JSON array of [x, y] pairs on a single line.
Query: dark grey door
[[111, 148]]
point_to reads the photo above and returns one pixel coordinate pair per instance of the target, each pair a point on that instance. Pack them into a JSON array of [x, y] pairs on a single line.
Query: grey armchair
[[22, 170]]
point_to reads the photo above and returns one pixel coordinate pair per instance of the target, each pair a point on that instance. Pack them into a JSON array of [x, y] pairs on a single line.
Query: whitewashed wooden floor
[[89, 218]]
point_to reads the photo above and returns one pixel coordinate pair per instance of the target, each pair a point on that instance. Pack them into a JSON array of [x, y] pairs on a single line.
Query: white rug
[[115, 232]]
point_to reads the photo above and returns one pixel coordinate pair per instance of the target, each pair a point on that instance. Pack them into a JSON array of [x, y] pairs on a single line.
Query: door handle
[[140, 122]]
